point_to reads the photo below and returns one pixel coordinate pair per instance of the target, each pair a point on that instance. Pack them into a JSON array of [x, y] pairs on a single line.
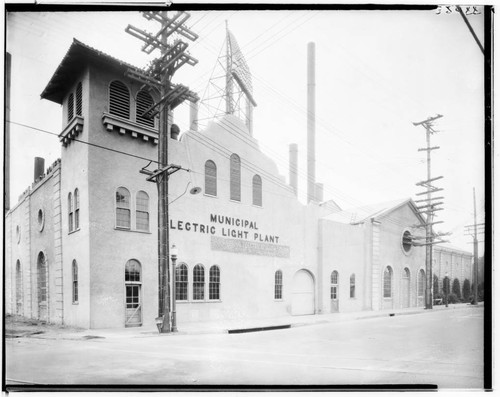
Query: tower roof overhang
[[79, 55]]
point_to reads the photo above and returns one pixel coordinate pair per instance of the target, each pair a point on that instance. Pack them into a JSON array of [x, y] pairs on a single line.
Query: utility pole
[[159, 76], [471, 230], [429, 208]]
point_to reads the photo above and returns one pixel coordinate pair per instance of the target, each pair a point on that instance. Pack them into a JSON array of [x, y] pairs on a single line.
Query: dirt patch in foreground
[[18, 326]]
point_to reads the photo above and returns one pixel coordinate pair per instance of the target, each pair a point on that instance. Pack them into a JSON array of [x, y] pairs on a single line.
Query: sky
[[377, 72]]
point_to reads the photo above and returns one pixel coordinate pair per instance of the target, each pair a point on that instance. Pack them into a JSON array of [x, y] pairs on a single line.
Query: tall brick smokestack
[[311, 122]]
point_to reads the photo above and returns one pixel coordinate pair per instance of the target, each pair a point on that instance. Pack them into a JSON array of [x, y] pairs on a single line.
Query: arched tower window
[[198, 283], [210, 178], [278, 285], [71, 104], [142, 211], [79, 99], [119, 99], [214, 283], [257, 190], [143, 102], [181, 282], [235, 177], [388, 282], [123, 208]]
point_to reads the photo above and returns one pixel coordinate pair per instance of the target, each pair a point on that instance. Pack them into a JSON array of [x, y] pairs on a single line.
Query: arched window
[[257, 190], [74, 272], [278, 285], [132, 271], [235, 178], [421, 283], [181, 282], [119, 99], [214, 283], [198, 283], [79, 99], [352, 283], [122, 208], [71, 104], [334, 285], [19, 288], [41, 268], [210, 178], [70, 212], [142, 211], [143, 102], [77, 210], [388, 282]]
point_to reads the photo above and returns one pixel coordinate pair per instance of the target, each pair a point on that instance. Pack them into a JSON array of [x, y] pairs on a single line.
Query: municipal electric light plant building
[[81, 244]]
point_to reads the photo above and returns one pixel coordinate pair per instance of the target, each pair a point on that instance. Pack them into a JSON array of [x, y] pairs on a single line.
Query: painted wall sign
[[249, 247], [227, 226]]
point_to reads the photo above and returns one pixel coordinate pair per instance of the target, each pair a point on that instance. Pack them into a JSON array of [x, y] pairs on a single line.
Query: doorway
[[42, 287], [133, 301], [405, 288], [303, 293]]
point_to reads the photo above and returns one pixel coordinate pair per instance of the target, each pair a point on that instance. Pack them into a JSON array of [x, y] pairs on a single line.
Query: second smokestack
[[311, 122]]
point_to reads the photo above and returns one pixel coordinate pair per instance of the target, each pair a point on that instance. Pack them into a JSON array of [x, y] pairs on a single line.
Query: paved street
[[443, 347]]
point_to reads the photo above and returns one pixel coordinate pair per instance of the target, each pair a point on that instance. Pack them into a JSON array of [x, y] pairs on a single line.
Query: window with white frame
[[214, 283], [210, 178], [278, 285], [388, 282], [142, 211], [122, 208], [77, 209], [70, 212], [257, 190], [74, 272], [181, 282], [198, 283], [235, 177]]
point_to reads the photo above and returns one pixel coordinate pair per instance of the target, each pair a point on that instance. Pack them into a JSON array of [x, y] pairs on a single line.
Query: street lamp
[[173, 255]]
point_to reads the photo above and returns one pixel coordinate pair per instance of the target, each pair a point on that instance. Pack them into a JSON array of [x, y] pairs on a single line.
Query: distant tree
[[435, 285], [456, 288], [466, 290]]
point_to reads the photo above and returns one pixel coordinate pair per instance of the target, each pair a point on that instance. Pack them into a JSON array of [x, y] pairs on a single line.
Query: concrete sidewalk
[[238, 325]]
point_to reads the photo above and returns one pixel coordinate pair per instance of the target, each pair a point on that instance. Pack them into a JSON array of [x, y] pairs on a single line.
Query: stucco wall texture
[[249, 243]]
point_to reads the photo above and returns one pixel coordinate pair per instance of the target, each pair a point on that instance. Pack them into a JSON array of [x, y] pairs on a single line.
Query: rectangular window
[[142, 220], [123, 218], [77, 219], [333, 292]]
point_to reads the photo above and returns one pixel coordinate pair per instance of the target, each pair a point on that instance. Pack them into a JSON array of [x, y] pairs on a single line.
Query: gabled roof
[[375, 211], [77, 57]]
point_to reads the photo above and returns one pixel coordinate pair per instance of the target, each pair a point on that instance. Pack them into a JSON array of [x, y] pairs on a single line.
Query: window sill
[[74, 127], [74, 231], [235, 201], [278, 300], [123, 126], [75, 303], [131, 230], [199, 301], [210, 195]]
